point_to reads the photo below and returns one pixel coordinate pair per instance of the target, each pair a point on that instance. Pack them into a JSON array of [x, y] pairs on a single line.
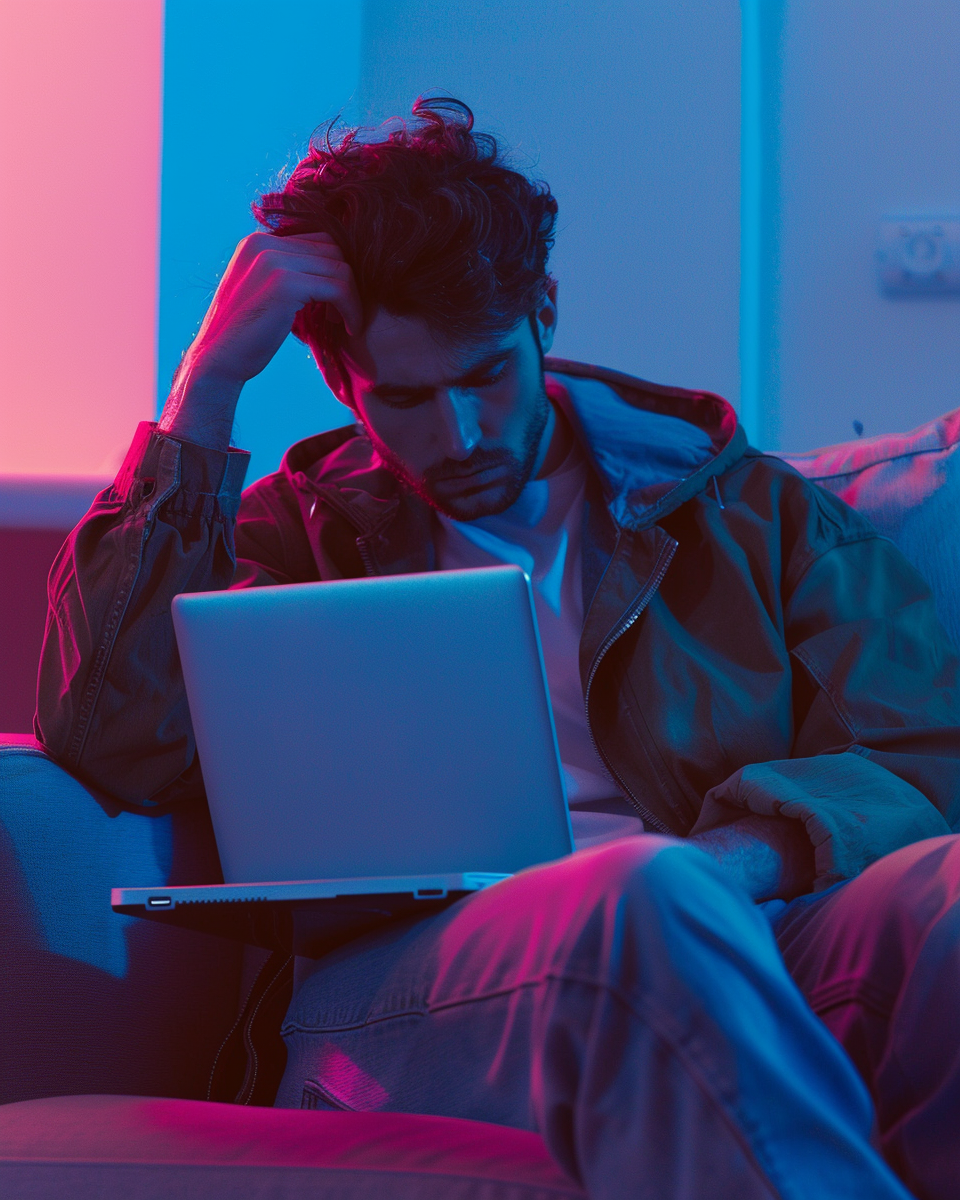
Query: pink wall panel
[[80, 91]]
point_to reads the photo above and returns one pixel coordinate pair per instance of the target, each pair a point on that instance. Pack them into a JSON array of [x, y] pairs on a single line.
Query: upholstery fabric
[[908, 486], [91, 1001], [131, 1148]]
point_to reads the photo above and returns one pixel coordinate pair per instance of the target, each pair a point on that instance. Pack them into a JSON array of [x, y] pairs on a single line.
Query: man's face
[[462, 426]]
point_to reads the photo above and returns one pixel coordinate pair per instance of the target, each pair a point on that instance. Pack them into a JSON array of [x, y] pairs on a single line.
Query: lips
[[460, 476]]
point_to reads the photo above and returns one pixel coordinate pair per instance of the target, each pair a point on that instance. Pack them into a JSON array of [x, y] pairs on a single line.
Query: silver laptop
[[370, 748]]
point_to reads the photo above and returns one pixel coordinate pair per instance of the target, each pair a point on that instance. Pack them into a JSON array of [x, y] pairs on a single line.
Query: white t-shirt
[[541, 533]]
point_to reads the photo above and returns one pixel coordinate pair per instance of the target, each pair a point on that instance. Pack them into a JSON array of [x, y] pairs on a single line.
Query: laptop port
[[159, 902], [430, 894]]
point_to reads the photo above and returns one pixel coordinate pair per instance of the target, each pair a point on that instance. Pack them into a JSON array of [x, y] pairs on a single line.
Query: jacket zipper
[[632, 616], [366, 557], [331, 497]]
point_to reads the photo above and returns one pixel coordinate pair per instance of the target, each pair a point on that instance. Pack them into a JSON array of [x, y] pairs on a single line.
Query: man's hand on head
[[267, 282], [769, 857]]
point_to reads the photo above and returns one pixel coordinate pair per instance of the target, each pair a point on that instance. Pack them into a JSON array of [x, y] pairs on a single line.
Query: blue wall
[[243, 90], [631, 112]]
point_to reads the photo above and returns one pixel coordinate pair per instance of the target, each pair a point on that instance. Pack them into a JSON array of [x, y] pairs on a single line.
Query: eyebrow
[[387, 391]]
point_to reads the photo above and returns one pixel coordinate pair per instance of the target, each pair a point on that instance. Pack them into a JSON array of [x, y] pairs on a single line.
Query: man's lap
[[848, 950], [418, 998], [436, 1015], [627, 1002]]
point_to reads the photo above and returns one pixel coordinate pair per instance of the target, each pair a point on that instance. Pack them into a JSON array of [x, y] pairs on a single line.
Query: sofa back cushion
[[908, 486]]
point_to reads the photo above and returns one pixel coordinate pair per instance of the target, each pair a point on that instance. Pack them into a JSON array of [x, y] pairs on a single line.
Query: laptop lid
[[374, 727]]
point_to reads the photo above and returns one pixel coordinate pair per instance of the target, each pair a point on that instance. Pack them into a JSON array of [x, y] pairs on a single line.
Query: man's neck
[[554, 445]]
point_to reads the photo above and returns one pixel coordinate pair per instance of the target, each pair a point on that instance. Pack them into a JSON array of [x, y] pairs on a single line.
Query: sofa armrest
[[91, 1001]]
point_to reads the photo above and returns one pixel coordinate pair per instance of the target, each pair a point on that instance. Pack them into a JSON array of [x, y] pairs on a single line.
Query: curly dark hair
[[432, 221]]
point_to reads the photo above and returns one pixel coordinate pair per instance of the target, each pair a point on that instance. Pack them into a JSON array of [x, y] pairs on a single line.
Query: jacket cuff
[[854, 811], [157, 465]]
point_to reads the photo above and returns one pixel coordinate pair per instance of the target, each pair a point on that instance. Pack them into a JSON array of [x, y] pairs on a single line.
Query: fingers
[[309, 237], [321, 244], [255, 244], [301, 280], [309, 264], [298, 263]]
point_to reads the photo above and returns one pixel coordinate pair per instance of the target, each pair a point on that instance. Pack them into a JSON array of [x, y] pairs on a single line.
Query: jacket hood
[[652, 447]]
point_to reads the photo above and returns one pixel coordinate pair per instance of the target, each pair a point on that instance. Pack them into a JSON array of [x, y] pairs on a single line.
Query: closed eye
[[398, 397], [487, 377], [404, 400], [485, 380]]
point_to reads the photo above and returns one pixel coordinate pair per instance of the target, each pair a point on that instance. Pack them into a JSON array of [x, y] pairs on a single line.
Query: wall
[[242, 93], [631, 113], [79, 147], [869, 125]]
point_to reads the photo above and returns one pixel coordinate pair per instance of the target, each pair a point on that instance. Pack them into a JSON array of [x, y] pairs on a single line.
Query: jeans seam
[[852, 989], [425, 1009]]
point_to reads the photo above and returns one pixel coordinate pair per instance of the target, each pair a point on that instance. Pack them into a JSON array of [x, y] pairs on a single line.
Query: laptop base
[[276, 917]]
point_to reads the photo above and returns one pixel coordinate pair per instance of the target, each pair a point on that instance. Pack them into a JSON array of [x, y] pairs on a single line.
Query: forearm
[[770, 857]]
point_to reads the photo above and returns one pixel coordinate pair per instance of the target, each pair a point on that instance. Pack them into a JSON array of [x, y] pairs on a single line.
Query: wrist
[[201, 406], [770, 857]]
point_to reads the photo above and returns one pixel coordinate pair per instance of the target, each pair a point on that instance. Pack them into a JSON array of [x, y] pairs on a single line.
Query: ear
[[545, 318]]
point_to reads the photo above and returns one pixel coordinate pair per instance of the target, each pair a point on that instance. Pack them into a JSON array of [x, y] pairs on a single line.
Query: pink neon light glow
[[80, 87]]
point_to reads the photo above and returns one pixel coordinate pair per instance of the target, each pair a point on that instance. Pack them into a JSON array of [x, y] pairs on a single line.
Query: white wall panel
[[869, 124]]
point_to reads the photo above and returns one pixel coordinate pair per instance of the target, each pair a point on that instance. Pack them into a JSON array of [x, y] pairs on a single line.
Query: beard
[[457, 489]]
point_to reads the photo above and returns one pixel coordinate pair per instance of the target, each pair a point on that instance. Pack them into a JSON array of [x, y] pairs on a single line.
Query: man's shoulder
[[809, 520]]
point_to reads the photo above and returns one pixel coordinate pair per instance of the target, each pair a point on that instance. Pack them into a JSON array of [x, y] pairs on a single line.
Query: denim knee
[[644, 901]]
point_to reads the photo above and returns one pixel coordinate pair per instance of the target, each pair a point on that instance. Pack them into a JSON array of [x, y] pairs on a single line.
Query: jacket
[[750, 643]]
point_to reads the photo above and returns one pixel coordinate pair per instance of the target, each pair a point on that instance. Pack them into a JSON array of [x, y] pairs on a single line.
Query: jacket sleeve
[[111, 706], [876, 748]]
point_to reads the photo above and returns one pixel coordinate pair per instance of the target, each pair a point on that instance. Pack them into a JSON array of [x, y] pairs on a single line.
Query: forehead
[[405, 351]]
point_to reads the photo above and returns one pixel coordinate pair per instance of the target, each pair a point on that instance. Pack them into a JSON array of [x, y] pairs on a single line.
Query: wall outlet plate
[[919, 256]]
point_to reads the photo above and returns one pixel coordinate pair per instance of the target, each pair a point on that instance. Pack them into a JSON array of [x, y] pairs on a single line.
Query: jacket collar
[[652, 448]]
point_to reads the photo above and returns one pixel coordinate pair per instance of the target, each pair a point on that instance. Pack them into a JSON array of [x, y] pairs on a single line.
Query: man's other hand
[[267, 282]]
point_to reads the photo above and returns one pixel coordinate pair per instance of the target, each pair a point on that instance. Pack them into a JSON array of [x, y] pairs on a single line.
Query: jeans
[[628, 1003], [878, 960]]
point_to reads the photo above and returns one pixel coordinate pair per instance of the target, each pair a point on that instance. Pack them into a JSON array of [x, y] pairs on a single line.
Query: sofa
[[109, 1026]]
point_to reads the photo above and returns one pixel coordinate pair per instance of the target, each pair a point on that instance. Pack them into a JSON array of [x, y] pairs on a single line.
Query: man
[[734, 658]]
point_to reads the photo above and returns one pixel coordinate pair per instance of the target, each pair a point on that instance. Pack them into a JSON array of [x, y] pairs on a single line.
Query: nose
[[459, 424]]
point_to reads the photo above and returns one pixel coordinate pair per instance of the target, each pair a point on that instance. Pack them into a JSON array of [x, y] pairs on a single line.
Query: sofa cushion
[[91, 1001], [908, 486], [130, 1148]]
